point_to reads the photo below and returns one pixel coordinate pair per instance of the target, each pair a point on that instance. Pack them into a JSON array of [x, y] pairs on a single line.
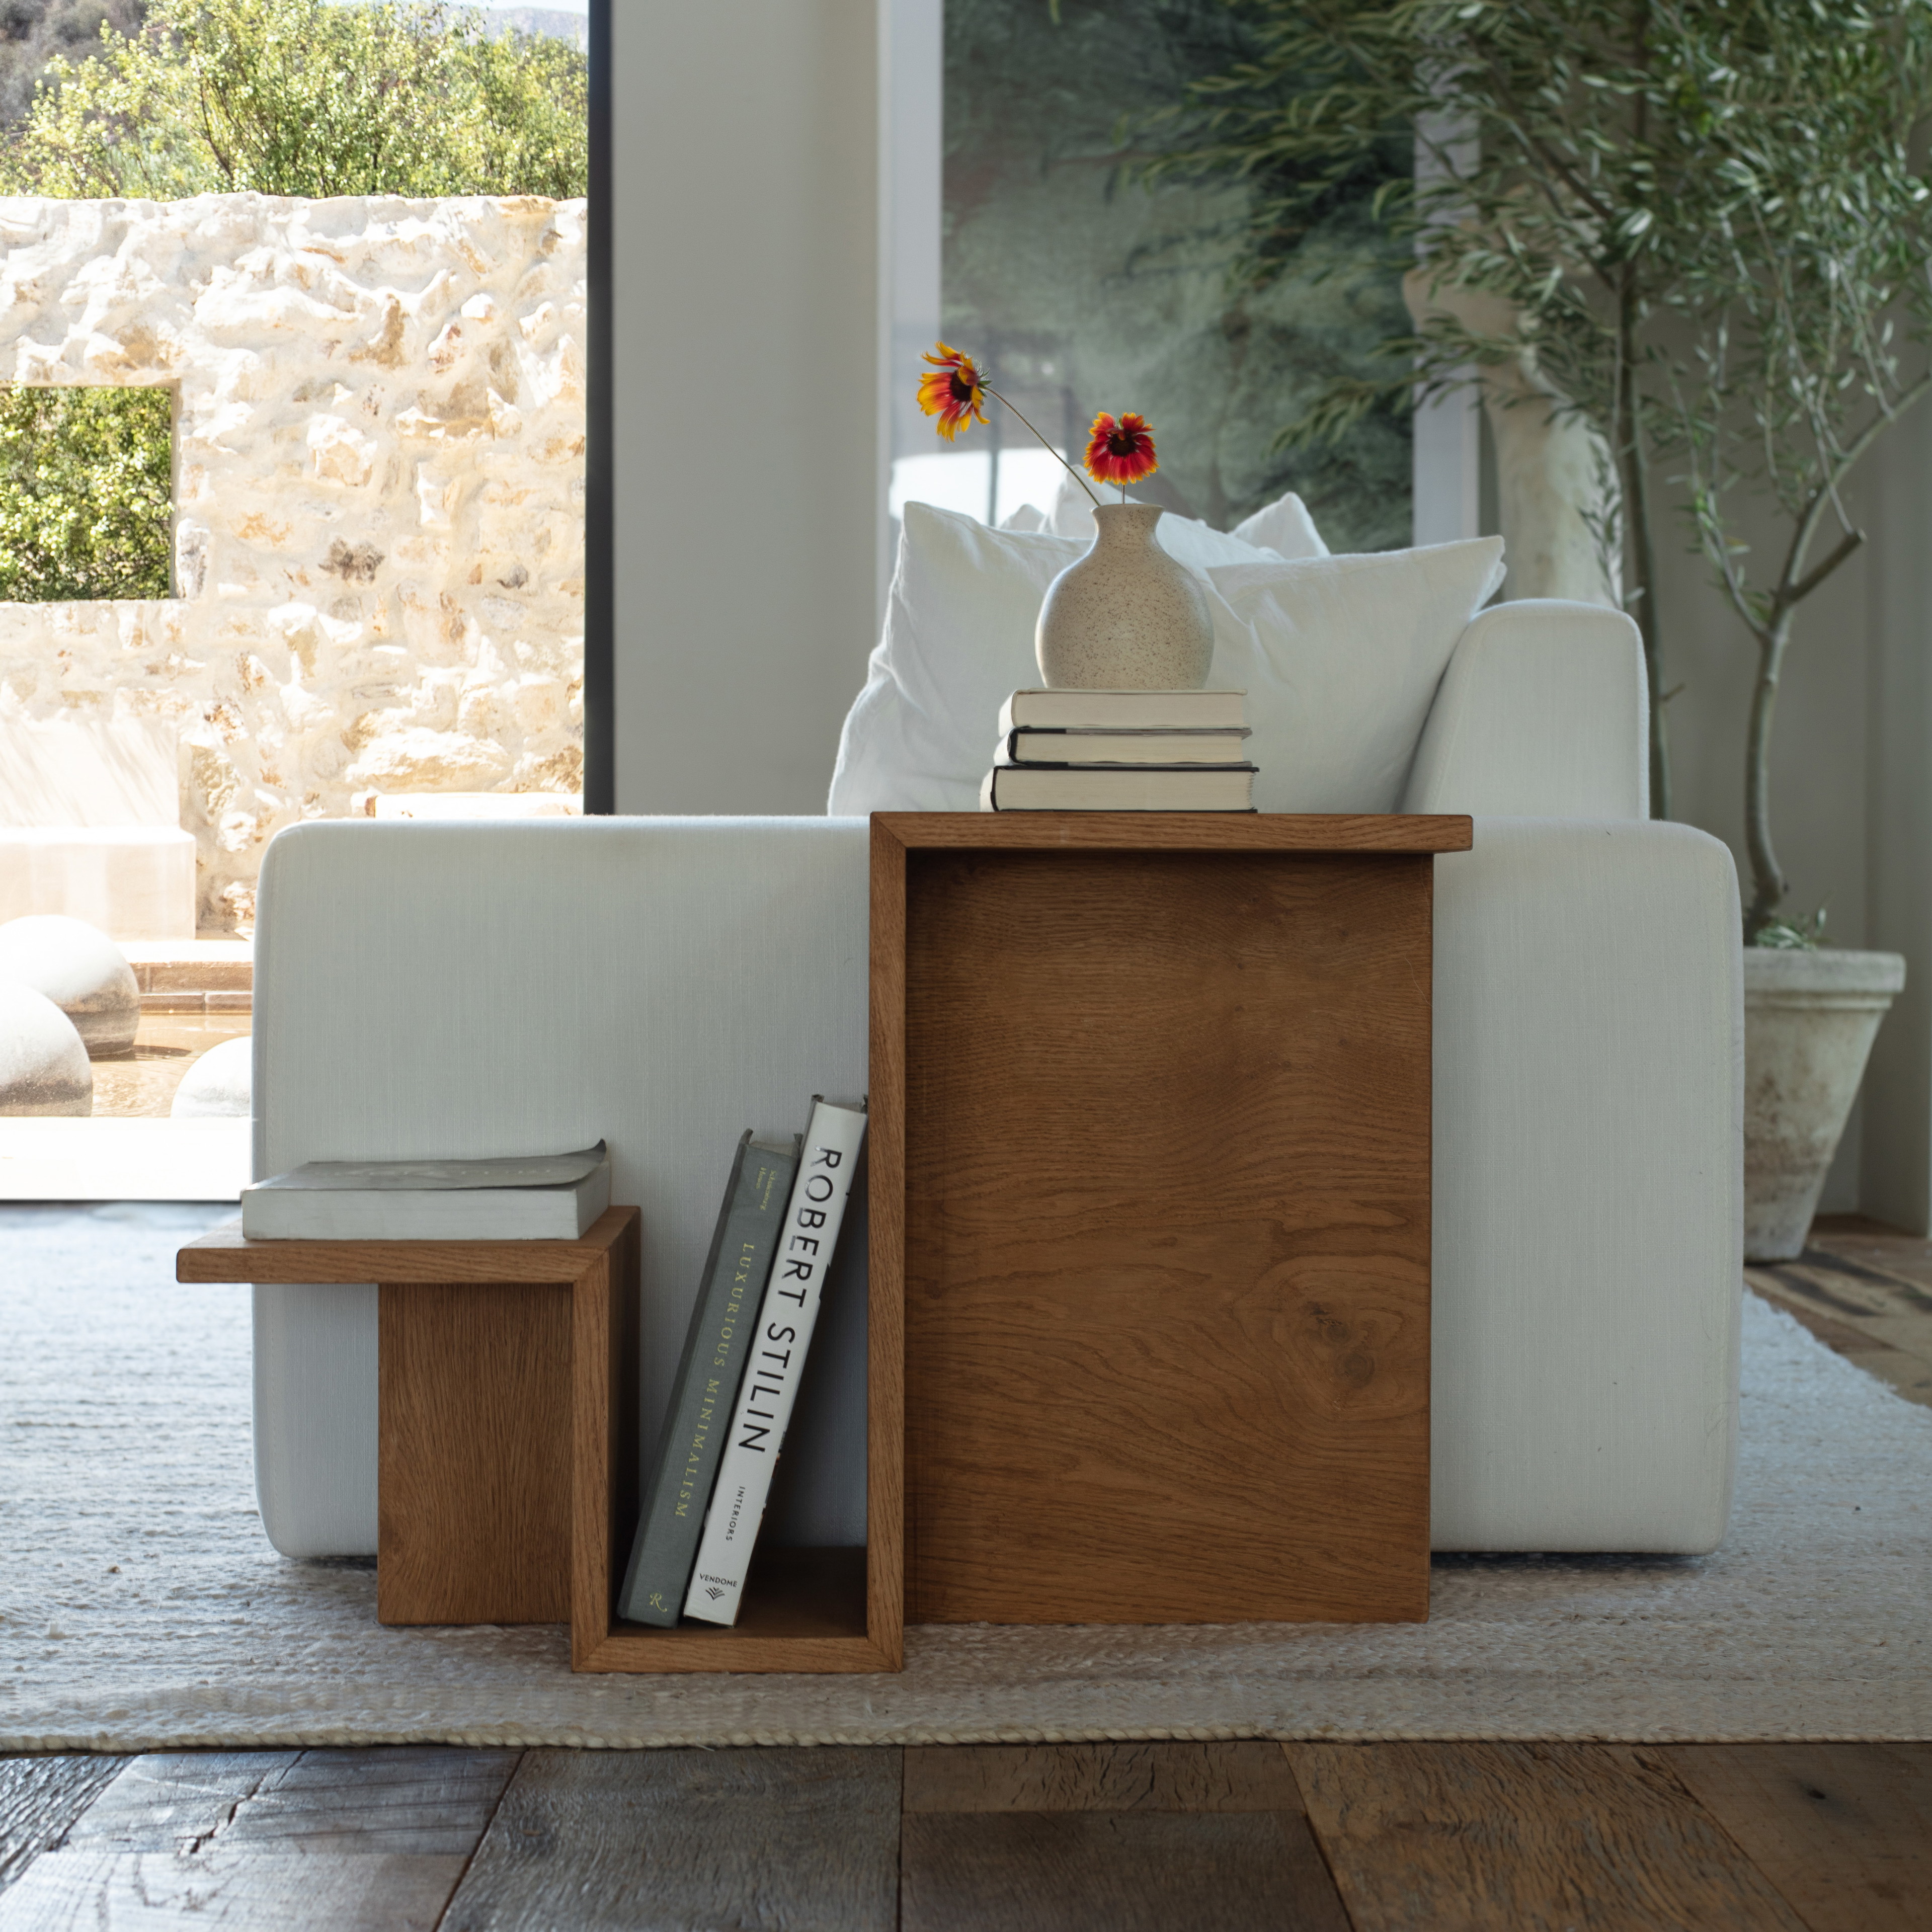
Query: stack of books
[[732, 1397], [1121, 750]]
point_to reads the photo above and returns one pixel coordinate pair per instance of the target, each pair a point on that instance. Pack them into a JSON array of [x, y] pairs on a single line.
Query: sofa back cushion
[[1340, 656]]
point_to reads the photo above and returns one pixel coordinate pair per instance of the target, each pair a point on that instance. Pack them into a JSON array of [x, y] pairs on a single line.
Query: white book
[[1118, 788], [807, 1242], [1126, 710], [532, 1197], [1035, 746]]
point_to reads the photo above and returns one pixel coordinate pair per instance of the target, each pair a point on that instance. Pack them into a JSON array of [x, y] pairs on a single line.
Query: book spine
[[743, 1246], [806, 1245]]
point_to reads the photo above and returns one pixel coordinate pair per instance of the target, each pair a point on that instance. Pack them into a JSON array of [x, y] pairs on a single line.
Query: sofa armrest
[[1588, 1249], [1541, 714]]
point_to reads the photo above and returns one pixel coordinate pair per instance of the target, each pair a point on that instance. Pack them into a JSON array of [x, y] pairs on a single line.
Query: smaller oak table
[[498, 1362], [507, 1472]]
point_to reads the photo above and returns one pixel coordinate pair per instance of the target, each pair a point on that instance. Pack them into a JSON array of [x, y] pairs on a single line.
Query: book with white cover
[[1118, 788], [520, 1197], [1035, 746], [807, 1243], [1126, 710]]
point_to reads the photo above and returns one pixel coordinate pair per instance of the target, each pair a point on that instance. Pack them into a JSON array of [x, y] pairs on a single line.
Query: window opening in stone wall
[[86, 494], [296, 292]]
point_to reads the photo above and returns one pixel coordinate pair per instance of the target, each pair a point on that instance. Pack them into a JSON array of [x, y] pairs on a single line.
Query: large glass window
[[1084, 289]]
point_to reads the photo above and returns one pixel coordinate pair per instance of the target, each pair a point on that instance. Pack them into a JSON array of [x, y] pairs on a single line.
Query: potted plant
[[1700, 224]]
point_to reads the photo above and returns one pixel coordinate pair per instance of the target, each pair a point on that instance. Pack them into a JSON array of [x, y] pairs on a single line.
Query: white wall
[[1896, 1169], [1852, 799], [745, 347]]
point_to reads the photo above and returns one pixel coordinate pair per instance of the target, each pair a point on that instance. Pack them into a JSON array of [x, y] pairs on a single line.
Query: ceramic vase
[[1126, 616], [1809, 1021]]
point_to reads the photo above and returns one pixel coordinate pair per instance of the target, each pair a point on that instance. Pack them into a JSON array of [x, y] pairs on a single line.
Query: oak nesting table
[[489, 1355], [1148, 1304], [1151, 1169]]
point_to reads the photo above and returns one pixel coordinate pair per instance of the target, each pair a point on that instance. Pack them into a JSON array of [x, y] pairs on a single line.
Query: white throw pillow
[[1193, 542], [1285, 527], [1340, 656]]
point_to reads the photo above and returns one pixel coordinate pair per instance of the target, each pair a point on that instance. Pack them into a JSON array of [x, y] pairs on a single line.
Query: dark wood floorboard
[[160, 1891], [1167, 1777], [1865, 1290], [1844, 1831], [1127, 1838], [1048, 1838], [1468, 1838], [1109, 1871], [758, 1840], [39, 1799], [174, 1801], [421, 1800]]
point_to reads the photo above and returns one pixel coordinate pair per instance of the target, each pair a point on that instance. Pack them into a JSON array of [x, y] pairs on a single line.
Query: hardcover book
[[806, 1245], [706, 1386], [536, 1197], [1118, 788], [1035, 746], [1126, 710]]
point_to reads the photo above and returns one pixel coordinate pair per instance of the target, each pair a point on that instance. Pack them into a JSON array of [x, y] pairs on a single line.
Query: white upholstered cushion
[[470, 989], [1542, 713], [1589, 1252], [1340, 656]]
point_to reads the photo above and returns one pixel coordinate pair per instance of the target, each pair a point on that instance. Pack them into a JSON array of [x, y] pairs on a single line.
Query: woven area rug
[[140, 1607]]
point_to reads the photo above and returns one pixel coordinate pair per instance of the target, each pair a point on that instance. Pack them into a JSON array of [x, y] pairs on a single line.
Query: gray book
[[705, 1390], [527, 1198]]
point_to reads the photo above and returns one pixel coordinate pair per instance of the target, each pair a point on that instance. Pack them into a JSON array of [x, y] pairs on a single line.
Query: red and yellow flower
[[1120, 451], [954, 392]]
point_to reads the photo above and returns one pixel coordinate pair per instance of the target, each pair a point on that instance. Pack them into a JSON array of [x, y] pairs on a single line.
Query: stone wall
[[379, 460]]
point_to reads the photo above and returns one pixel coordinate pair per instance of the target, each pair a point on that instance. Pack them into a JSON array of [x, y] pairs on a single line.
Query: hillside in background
[[552, 22], [33, 32]]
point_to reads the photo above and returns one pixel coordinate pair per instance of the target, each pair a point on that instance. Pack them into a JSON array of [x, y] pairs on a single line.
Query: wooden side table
[[1150, 1167], [480, 1382], [507, 1469]]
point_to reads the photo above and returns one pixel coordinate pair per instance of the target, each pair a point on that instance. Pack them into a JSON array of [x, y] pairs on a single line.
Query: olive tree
[[1707, 219]]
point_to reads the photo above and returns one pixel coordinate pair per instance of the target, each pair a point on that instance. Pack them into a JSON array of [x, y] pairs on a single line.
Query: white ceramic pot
[[1126, 616], [1809, 1021]]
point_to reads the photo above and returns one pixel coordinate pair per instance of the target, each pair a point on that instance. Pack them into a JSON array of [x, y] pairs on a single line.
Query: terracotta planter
[[1126, 616], [1809, 1021]]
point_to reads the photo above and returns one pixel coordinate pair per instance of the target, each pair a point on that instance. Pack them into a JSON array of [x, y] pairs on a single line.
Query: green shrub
[[302, 98], [86, 500]]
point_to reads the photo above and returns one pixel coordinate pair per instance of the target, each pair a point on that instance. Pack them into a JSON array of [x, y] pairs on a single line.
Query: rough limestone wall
[[378, 451]]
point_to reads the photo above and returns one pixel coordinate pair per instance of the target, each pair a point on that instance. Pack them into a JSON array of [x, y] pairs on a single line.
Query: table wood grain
[[1157, 1124]]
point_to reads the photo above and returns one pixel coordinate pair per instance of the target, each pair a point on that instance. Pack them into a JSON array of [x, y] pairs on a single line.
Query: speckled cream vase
[[1126, 616], [1810, 1017]]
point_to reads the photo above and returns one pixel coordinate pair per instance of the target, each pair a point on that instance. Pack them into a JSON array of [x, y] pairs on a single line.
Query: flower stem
[[1048, 447]]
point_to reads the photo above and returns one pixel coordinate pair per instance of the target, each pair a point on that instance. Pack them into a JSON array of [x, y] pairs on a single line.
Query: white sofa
[[476, 989]]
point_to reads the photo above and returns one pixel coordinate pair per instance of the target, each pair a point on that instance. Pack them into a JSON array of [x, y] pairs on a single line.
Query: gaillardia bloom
[[953, 392], [1121, 452]]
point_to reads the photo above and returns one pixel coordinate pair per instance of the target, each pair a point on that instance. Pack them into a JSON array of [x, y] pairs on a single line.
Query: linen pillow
[[1285, 527], [1340, 658], [1283, 530]]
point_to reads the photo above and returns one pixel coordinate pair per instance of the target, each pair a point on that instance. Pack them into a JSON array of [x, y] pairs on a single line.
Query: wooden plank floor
[[1124, 1837], [1865, 1290]]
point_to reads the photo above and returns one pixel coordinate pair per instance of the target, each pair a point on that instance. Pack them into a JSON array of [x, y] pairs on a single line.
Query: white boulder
[[217, 1086], [43, 1067], [82, 970]]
